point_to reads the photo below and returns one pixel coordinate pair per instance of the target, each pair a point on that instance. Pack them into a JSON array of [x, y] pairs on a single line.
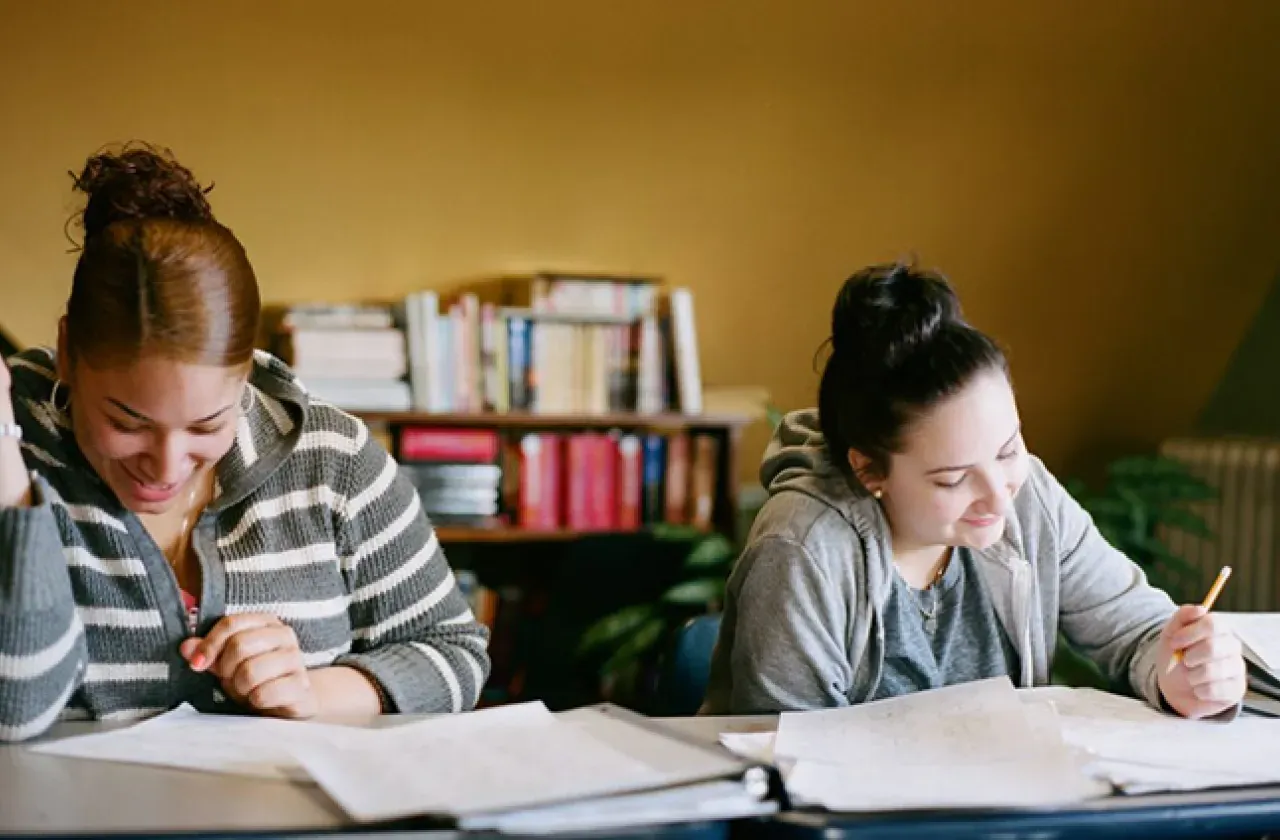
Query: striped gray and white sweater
[[311, 521]]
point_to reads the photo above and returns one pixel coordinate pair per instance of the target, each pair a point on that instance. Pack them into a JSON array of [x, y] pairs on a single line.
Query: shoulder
[[805, 533], [34, 373], [45, 427]]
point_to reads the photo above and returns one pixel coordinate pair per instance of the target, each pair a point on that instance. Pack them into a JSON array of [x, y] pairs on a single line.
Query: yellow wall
[[1101, 179]]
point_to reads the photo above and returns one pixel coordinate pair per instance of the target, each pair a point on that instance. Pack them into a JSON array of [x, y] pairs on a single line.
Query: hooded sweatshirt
[[310, 521], [804, 623]]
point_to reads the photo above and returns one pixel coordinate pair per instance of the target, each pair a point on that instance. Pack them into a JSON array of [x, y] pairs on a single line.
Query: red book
[[604, 483], [578, 481], [455, 446], [630, 483], [539, 495]]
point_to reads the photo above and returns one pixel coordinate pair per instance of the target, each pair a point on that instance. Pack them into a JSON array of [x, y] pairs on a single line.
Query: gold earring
[[879, 494]]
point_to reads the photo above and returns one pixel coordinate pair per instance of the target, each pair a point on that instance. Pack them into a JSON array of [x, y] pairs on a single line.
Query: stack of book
[[576, 480], [456, 472], [353, 356], [554, 344]]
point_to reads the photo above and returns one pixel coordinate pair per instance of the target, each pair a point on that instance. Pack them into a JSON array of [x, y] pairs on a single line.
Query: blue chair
[[684, 676]]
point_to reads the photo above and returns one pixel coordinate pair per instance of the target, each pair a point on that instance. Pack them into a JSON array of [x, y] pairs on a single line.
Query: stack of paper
[[516, 767], [975, 745], [188, 740], [1142, 750], [1259, 635]]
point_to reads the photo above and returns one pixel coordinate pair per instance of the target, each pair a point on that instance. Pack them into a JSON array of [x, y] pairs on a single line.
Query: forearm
[[42, 644], [342, 691]]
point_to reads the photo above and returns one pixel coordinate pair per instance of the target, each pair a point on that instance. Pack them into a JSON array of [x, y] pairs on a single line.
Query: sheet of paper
[[489, 761], [973, 745], [1036, 782], [983, 719], [752, 746], [1141, 749], [186, 739], [721, 800], [1260, 634]]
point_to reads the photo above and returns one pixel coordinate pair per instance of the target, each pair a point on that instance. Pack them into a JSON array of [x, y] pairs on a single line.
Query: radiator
[[1245, 518]]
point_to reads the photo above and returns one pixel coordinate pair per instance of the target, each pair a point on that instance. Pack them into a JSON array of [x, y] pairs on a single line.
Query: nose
[[997, 492], [166, 462]]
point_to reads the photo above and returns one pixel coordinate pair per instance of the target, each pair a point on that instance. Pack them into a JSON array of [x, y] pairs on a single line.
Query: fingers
[[1187, 626], [1218, 647], [266, 680], [251, 644], [205, 652]]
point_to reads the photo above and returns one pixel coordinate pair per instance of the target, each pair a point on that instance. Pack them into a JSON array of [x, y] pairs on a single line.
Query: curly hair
[[157, 272]]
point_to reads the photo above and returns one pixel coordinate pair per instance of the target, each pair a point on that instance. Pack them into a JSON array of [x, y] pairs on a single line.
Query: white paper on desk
[[982, 720], [189, 740], [1141, 749], [752, 746], [1037, 770], [1260, 635], [720, 800], [502, 759]]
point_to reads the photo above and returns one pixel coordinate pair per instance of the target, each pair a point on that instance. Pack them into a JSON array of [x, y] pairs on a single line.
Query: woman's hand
[[1211, 676], [256, 658]]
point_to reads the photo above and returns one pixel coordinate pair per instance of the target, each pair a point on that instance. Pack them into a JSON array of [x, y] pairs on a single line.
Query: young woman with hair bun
[[180, 521], [910, 540]]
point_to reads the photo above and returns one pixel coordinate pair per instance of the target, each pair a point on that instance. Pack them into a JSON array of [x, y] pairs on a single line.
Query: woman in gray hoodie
[[910, 541]]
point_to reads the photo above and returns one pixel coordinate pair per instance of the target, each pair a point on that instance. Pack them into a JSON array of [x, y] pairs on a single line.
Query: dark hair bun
[[885, 312], [139, 182]]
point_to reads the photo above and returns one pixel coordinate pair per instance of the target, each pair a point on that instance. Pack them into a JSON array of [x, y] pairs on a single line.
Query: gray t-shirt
[[944, 635]]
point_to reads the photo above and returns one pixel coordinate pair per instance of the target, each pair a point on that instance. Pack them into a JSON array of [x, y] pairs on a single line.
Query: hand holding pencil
[[1205, 674]]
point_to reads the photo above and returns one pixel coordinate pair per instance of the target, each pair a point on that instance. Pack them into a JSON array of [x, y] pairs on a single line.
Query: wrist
[[341, 690]]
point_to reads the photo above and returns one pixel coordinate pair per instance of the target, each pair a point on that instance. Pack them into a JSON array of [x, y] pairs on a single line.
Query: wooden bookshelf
[[455, 535], [728, 428], [528, 420]]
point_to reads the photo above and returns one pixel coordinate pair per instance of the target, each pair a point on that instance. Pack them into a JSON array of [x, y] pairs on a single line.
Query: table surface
[[58, 795]]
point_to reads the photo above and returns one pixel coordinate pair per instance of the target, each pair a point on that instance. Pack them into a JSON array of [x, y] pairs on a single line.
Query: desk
[[51, 795], [1234, 812]]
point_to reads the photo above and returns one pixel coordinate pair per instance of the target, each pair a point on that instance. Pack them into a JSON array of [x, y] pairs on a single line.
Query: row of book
[[550, 343], [583, 481]]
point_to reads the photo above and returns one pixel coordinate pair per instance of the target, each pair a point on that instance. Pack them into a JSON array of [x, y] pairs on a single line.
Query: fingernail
[[198, 662]]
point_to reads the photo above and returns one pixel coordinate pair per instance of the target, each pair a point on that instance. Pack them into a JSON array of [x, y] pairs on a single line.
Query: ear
[[864, 469], [64, 351]]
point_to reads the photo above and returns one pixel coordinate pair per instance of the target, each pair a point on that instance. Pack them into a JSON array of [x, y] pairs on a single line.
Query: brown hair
[[157, 273]]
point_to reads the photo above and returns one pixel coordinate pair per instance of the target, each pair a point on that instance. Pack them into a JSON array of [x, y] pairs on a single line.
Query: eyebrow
[[137, 415], [962, 467]]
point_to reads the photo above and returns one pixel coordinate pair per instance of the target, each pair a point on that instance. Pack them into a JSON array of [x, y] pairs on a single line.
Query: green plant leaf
[[674, 533], [714, 550], [637, 644], [1184, 520], [616, 625], [698, 591]]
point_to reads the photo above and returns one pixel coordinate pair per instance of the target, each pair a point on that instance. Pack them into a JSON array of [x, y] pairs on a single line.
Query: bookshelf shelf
[[454, 535], [527, 420]]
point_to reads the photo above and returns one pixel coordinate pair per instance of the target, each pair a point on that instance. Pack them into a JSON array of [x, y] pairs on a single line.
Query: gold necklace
[[930, 614], [184, 533]]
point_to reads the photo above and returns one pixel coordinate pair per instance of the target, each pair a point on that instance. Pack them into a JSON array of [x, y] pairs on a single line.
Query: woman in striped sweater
[[179, 522]]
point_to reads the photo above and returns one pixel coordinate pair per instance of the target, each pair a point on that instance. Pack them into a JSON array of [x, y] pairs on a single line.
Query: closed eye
[[123, 428]]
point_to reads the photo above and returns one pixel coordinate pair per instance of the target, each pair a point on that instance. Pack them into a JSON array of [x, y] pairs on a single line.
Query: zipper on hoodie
[[1022, 617]]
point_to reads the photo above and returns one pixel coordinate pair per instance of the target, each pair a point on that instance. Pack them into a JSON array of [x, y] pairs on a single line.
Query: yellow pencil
[[1207, 603]]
